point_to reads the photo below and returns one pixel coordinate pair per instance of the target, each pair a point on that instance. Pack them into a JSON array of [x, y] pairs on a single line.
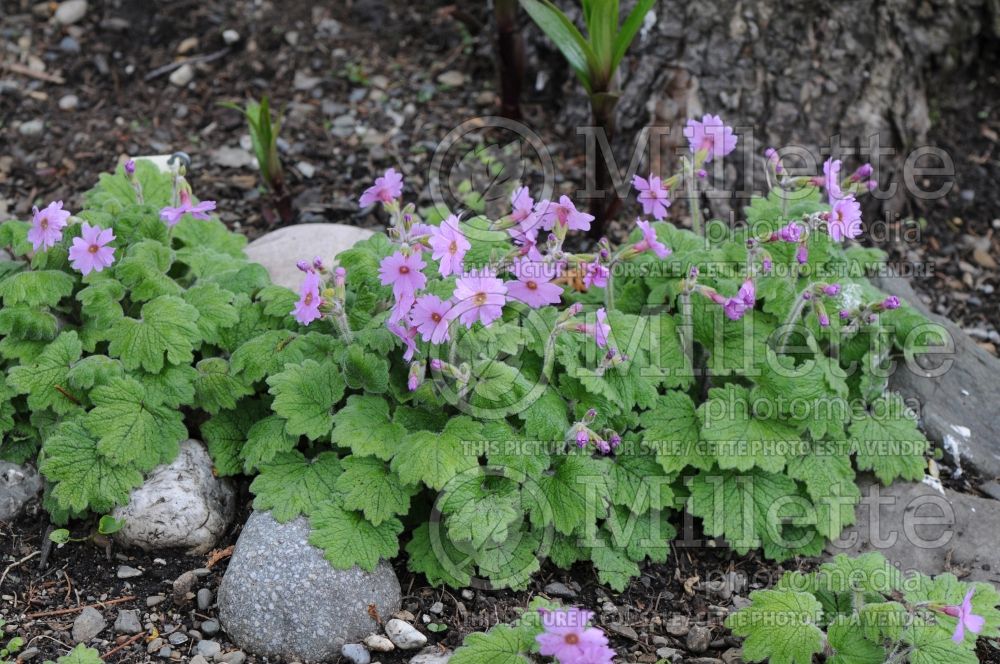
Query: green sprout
[[264, 136]]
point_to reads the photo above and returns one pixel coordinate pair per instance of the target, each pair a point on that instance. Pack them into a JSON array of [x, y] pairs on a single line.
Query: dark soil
[[375, 101], [41, 604]]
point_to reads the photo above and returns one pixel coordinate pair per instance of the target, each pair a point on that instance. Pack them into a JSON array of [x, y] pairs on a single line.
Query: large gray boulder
[[926, 528], [19, 488], [280, 250], [180, 506], [281, 598], [957, 389]]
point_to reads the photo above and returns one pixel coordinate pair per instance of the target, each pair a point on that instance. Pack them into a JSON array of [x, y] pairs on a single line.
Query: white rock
[[71, 11], [230, 37], [229, 157], [279, 250], [181, 505], [31, 128], [307, 169], [431, 655], [69, 102], [19, 485], [182, 75], [378, 643], [404, 635], [304, 81], [355, 653]]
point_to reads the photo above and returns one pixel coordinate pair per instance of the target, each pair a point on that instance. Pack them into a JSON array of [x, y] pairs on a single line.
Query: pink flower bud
[[591, 414], [304, 266], [844, 314], [318, 263], [891, 302], [767, 265], [702, 173], [615, 440], [832, 290], [802, 254], [130, 167], [824, 320], [436, 364], [582, 438]]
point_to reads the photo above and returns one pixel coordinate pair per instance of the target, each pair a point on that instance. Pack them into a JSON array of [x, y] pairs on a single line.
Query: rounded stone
[[19, 488], [180, 506], [279, 250], [281, 598]]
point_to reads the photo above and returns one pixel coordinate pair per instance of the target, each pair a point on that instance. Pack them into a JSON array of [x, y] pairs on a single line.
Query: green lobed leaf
[[348, 539], [780, 626], [291, 485], [167, 326], [305, 394]]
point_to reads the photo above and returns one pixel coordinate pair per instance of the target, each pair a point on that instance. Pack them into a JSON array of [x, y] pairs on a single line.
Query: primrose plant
[[865, 610], [510, 399]]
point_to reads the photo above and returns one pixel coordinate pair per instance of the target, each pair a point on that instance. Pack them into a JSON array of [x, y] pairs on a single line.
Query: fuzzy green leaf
[[348, 539], [215, 309], [363, 426], [436, 458], [36, 288], [265, 440], [305, 394], [779, 626], [291, 485], [215, 388], [132, 427], [45, 380], [369, 486], [503, 644], [84, 478], [888, 441], [167, 325]]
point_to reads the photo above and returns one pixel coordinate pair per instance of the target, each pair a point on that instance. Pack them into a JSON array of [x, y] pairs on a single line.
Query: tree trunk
[[795, 72]]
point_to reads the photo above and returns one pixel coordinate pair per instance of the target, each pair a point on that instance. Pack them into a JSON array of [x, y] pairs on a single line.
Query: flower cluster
[[92, 250]]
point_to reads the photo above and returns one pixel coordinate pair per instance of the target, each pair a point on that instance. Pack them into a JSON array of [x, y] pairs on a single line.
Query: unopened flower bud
[[832, 290], [615, 440], [582, 438], [304, 266], [130, 167], [844, 314], [339, 277], [802, 254], [436, 364], [591, 414], [767, 265], [416, 376], [824, 320], [891, 302], [318, 263]]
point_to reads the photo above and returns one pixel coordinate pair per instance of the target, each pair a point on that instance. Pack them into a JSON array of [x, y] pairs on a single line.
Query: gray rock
[[437, 608], [918, 527], [677, 626], [126, 572], [177, 638], [69, 45], [208, 649], [88, 624], [165, 652], [69, 12], [669, 654], [154, 600], [69, 102], [404, 635], [307, 169], [31, 128], [210, 627], [431, 655], [304, 82], [229, 157], [698, 639], [19, 488], [623, 630], [957, 405], [198, 659], [182, 585], [279, 250], [355, 653], [204, 599], [127, 622], [234, 657], [378, 643], [733, 656], [180, 506], [182, 75], [281, 598], [556, 589]]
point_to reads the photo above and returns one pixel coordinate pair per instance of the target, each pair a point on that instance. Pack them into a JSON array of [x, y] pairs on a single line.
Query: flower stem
[[694, 204], [793, 317]]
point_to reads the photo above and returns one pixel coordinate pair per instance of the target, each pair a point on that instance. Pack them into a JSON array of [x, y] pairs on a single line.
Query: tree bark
[[794, 72]]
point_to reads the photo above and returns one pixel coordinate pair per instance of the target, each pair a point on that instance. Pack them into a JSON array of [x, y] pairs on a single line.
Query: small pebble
[[468, 594], [153, 600], [204, 599], [71, 11], [210, 627], [182, 75], [230, 37], [379, 643], [126, 572], [208, 649], [235, 657], [355, 653], [177, 638], [561, 590], [404, 635], [128, 622], [437, 608], [31, 128]]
